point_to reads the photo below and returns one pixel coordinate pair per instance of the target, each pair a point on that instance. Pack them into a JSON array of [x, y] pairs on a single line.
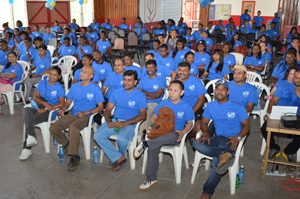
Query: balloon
[[52, 4], [203, 4], [86, 1], [11, 1], [47, 5], [80, 2]]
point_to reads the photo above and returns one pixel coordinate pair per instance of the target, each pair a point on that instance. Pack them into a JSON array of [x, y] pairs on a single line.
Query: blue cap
[[223, 83]]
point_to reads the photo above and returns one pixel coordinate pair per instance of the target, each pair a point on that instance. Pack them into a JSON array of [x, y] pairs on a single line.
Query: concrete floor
[[42, 177]]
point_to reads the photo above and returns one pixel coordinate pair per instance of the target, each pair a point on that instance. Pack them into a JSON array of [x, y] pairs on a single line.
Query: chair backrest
[[242, 49], [133, 40], [121, 33], [136, 64], [51, 49], [211, 83], [239, 58], [182, 142], [53, 42], [264, 89], [253, 77], [66, 63], [115, 28], [113, 38], [146, 37], [110, 34], [119, 44]]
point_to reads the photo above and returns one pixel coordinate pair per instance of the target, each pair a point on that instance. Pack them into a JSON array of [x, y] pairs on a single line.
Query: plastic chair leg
[[86, 138], [196, 166], [46, 137], [263, 147]]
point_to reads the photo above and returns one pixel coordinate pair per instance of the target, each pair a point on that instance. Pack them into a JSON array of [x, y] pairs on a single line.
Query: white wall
[[267, 7]]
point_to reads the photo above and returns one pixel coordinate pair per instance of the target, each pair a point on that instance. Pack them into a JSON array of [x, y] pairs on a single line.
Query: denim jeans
[[125, 135], [217, 146]]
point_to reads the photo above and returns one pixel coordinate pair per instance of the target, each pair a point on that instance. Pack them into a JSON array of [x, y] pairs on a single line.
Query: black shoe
[[27, 102], [74, 163]]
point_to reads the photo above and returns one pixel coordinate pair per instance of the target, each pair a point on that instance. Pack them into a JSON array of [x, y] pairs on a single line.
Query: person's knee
[[54, 129]]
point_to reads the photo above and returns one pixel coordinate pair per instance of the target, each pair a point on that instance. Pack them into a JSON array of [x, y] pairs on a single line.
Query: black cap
[[202, 42]]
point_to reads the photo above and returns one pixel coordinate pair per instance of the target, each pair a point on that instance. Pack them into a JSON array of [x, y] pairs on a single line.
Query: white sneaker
[[147, 184], [31, 141], [139, 150], [26, 153]]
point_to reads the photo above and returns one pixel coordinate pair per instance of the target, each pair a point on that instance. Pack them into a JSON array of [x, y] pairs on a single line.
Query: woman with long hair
[[255, 62]]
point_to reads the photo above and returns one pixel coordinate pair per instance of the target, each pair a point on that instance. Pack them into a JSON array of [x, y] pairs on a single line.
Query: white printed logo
[[229, 62], [192, 87], [131, 103], [53, 93], [42, 66], [168, 64], [86, 51], [231, 115], [182, 56], [155, 87], [102, 71], [192, 70], [203, 59], [103, 46], [180, 115], [89, 96], [69, 50], [245, 93], [158, 74]]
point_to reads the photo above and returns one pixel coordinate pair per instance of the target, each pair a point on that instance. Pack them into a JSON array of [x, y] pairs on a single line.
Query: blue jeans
[[217, 146], [125, 135]]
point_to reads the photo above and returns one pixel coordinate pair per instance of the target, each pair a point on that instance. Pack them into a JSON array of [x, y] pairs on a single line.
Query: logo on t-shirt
[[180, 115], [203, 59], [168, 64], [245, 93], [53, 93], [69, 50], [103, 46], [192, 87], [131, 103], [155, 87], [231, 115], [182, 56], [42, 66], [89, 96], [102, 71], [158, 74]]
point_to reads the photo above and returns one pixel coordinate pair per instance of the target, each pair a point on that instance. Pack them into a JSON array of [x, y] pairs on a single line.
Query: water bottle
[[242, 174], [116, 129], [237, 181], [96, 155], [61, 154], [34, 104]]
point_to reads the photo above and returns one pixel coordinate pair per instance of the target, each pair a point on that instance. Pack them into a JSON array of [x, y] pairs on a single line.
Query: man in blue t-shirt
[[124, 26], [103, 45], [130, 107], [245, 17], [128, 60], [240, 91], [67, 48], [231, 124], [285, 95], [87, 100], [184, 117], [258, 20]]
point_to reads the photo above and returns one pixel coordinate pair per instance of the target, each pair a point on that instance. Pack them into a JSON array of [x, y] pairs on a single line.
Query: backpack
[[164, 123]]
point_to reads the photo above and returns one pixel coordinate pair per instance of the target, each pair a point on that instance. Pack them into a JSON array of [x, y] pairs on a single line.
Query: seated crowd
[[179, 66]]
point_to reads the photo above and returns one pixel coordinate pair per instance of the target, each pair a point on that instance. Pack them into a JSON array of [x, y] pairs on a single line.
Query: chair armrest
[[50, 115]]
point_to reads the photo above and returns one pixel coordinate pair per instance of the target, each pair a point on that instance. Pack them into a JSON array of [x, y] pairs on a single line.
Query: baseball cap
[[202, 42], [240, 68], [223, 83]]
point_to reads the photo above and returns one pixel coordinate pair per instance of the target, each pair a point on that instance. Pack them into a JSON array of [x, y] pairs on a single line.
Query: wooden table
[[275, 126]]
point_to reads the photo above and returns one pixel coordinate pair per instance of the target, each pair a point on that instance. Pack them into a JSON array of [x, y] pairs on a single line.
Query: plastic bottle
[[242, 174], [116, 129], [96, 155], [34, 104], [54, 141], [237, 181], [61, 154]]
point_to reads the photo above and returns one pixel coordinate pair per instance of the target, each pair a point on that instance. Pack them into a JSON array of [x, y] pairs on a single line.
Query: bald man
[[87, 98]]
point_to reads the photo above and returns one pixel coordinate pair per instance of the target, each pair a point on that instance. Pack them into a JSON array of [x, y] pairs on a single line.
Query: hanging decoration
[[50, 4], [10, 1], [86, 1], [204, 3], [80, 2]]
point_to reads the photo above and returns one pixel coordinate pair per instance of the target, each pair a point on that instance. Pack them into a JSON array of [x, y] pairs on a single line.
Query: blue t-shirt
[[227, 117], [152, 86], [237, 43], [245, 17], [85, 98], [179, 57], [213, 74], [128, 103], [3, 57], [285, 91], [135, 68], [46, 37], [243, 94], [258, 20], [23, 55], [183, 112], [41, 64], [112, 82], [193, 89], [161, 31], [106, 26], [15, 69], [95, 78], [273, 34], [167, 63], [197, 35], [251, 60], [51, 93], [74, 26], [155, 53], [56, 29], [124, 26], [92, 36], [103, 46], [229, 60], [202, 59], [37, 34], [194, 69], [87, 49], [67, 50], [280, 70], [101, 70], [267, 56], [161, 71], [189, 40]]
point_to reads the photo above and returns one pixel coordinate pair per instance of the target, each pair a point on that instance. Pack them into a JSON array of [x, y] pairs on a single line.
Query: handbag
[[6, 81], [164, 123]]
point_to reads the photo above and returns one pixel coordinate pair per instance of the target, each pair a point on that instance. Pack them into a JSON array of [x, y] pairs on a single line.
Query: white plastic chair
[[51, 49], [45, 129], [168, 81], [86, 137], [53, 42], [263, 111], [177, 152], [10, 94], [233, 170], [131, 145], [213, 84], [239, 58], [136, 64], [66, 64], [253, 77]]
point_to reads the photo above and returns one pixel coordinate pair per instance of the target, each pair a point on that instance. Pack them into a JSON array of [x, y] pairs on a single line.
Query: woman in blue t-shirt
[[255, 62], [216, 69], [236, 41], [10, 73], [49, 95]]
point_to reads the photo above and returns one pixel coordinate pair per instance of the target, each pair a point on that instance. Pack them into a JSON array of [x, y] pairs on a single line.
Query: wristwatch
[[239, 138]]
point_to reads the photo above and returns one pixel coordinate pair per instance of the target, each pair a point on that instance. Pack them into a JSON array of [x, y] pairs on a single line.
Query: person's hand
[[61, 112], [233, 143], [120, 124], [41, 110], [48, 106], [82, 114], [204, 138], [111, 125]]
